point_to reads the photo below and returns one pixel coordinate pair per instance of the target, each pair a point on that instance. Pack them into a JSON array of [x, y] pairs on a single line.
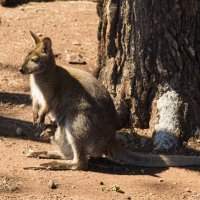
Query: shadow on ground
[[14, 98], [14, 3], [102, 165], [19, 129]]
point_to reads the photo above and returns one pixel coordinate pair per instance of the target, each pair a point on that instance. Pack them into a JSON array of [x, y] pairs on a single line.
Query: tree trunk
[[148, 57]]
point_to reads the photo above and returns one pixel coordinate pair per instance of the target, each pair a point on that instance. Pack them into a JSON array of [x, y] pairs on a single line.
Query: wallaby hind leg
[[65, 165], [79, 161], [54, 165]]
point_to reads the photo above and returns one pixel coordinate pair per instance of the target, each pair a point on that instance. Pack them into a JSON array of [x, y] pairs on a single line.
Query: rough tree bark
[[148, 57]]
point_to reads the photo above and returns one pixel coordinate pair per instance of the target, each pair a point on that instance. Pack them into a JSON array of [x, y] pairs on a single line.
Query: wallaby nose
[[21, 70]]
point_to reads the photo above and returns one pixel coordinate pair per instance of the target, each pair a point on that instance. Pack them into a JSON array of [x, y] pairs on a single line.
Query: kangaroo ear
[[47, 44], [35, 37]]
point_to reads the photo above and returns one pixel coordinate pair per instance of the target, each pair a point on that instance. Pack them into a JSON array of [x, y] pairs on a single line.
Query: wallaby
[[85, 115]]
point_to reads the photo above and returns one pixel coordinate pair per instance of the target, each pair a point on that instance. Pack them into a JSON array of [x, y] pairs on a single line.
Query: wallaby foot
[[65, 165], [54, 165], [43, 154]]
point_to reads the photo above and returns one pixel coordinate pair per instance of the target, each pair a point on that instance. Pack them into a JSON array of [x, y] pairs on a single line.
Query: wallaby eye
[[35, 59]]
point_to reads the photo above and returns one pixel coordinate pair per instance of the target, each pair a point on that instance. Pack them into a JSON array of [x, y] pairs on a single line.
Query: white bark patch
[[167, 129]]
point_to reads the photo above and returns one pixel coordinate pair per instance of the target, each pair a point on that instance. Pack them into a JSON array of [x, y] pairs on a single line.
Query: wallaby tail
[[120, 155]]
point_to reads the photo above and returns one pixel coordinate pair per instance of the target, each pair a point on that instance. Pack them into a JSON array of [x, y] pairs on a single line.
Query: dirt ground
[[72, 26]]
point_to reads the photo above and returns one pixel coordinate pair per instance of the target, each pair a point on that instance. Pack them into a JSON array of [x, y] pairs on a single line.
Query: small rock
[[76, 43], [161, 180], [73, 186], [52, 185], [101, 183], [39, 34], [188, 190], [184, 197], [22, 105], [19, 131], [151, 194], [76, 59]]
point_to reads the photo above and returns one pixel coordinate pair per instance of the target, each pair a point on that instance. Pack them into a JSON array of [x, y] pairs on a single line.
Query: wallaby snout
[[21, 70], [24, 70]]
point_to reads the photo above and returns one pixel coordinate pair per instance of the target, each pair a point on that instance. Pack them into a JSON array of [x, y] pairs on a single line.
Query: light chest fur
[[36, 92]]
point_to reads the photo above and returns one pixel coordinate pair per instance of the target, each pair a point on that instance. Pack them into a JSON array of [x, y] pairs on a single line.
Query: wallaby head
[[40, 58]]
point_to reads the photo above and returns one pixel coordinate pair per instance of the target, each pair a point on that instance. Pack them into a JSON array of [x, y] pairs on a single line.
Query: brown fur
[[84, 113]]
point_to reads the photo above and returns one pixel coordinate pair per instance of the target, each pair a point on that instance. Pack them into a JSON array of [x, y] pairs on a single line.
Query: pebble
[[76, 59], [151, 194], [22, 105], [76, 43], [101, 183], [161, 180], [188, 190], [52, 185], [39, 34]]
